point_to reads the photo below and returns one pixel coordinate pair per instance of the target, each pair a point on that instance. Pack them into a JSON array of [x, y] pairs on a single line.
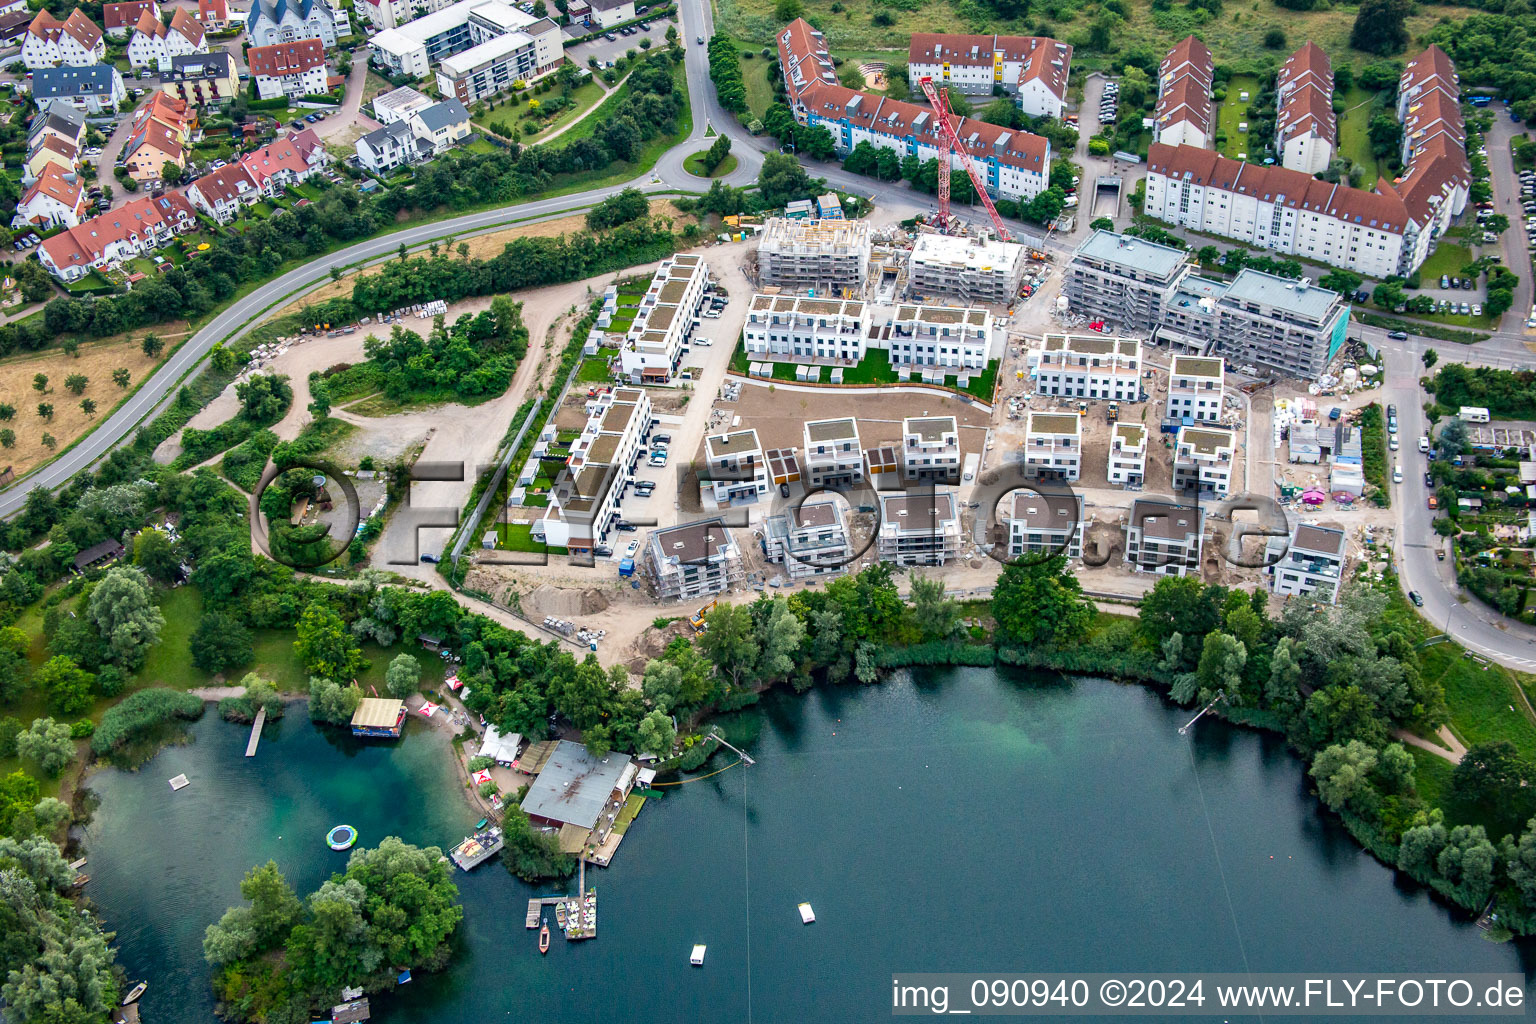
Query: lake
[[957, 820]]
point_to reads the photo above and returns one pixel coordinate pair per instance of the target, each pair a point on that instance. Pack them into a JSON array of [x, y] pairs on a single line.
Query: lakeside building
[[693, 560], [736, 469], [1195, 386], [74, 42], [1164, 537], [973, 271], [1306, 131], [1053, 446], [1088, 366], [833, 455], [202, 79], [919, 529], [1311, 562], [1202, 461], [1183, 115], [810, 541], [1016, 164], [1045, 524], [1128, 455], [829, 257], [576, 789], [786, 328], [930, 449], [653, 346], [378, 716], [584, 498], [1033, 70]]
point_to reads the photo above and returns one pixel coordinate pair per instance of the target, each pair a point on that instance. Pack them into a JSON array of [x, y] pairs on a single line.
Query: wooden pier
[[536, 908], [261, 719]]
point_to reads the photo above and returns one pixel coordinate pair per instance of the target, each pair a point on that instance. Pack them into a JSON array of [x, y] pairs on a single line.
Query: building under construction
[[972, 271], [830, 257]]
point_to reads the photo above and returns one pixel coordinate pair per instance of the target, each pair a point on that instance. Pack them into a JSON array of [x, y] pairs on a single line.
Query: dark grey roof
[[51, 83], [379, 137], [218, 64], [573, 786], [59, 116], [441, 115]]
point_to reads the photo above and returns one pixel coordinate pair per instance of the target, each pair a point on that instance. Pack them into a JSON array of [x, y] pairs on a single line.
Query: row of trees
[[725, 72]]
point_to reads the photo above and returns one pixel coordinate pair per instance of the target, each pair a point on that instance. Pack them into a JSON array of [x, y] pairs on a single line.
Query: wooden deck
[[261, 719]]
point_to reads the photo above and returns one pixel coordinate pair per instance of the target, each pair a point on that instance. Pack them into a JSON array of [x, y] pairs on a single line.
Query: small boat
[[135, 992], [697, 959], [80, 880], [482, 823], [544, 939], [807, 915]]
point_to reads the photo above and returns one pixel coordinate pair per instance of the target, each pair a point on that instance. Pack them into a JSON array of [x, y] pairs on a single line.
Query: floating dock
[[536, 908], [261, 720], [180, 782]]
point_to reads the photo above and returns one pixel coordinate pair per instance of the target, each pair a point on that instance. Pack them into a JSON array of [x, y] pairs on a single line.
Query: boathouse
[[575, 788], [378, 716]]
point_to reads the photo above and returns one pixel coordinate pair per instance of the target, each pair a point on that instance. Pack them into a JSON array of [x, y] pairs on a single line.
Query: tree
[[125, 616], [319, 398], [48, 440], [1343, 773], [937, 616], [40, 383], [1430, 358], [782, 179], [1338, 714], [265, 397], [7, 438], [729, 642], [1222, 658], [656, 735], [88, 406], [155, 554], [1465, 866], [68, 687], [1379, 27], [45, 410], [152, 346], [529, 853], [325, 646], [1179, 604], [333, 703], [1494, 785], [76, 383], [47, 744], [220, 643], [403, 676], [779, 636], [1274, 39], [7, 411], [1101, 224], [1040, 602], [717, 152], [121, 377]]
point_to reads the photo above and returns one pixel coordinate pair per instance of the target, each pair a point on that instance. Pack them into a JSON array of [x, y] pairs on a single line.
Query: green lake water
[[960, 820]]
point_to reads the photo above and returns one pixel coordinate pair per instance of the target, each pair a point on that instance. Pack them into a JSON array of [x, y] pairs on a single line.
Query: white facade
[[1195, 388], [790, 329], [919, 529], [298, 82], [810, 541], [930, 449], [1089, 366], [1164, 538], [1053, 446], [73, 42], [1045, 525], [605, 14], [693, 560], [1202, 461], [833, 456], [953, 340], [156, 47], [498, 64], [737, 470], [286, 21], [973, 271], [1312, 563], [1128, 455], [654, 344]]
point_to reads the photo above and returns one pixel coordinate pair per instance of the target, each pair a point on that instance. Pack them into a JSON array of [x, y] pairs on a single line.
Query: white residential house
[[945, 340], [223, 193], [653, 346], [1053, 446], [118, 19], [74, 42], [919, 529], [286, 21], [791, 329], [1164, 537], [1045, 525], [1202, 461], [1311, 563], [737, 470], [55, 200], [1195, 387], [1089, 366], [153, 44], [693, 560], [1128, 455], [810, 540], [394, 145], [833, 456], [293, 69], [608, 13], [97, 89], [930, 449], [441, 126]]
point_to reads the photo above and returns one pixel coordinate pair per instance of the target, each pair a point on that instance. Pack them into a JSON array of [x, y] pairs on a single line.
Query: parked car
[[663, 439], [1445, 281], [430, 559], [1418, 602], [610, 37], [625, 526], [784, 490], [1429, 480]]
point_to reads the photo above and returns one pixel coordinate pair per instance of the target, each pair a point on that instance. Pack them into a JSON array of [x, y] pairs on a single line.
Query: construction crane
[[949, 142]]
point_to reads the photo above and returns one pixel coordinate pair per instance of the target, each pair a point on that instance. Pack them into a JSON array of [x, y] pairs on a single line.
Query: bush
[[142, 711], [82, 729]]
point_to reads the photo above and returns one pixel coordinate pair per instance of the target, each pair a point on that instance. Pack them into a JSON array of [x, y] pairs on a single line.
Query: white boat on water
[[478, 848], [135, 992], [807, 915], [697, 959]]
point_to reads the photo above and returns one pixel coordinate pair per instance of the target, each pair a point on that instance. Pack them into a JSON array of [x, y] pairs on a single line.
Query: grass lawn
[[874, 368], [631, 809], [695, 165], [1431, 776], [754, 75], [593, 369], [481, 146], [519, 537], [1354, 142], [1234, 112], [508, 119], [1447, 260]]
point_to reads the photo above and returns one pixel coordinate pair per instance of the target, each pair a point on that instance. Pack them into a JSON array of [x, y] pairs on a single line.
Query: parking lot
[[606, 50]]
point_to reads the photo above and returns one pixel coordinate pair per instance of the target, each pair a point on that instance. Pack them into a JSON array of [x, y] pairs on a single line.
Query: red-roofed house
[[1437, 179], [804, 61], [119, 19], [288, 69], [74, 42], [221, 193], [213, 14], [287, 161], [1430, 71], [153, 44], [1184, 115], [54, 200], [1306, 132], [1032, 69], [141, 226], [161, 133]]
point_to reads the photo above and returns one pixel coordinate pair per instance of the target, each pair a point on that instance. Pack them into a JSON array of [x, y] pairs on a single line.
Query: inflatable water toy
[[341, 837]]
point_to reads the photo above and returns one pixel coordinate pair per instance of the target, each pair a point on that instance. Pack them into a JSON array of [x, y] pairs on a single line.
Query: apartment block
[[1195, 388], [1293, 327], [810, 541], [930, 449], [1045, 525], [1202, 461], [1312, 562], [1306, 131], [1089, 366], [1164, 537], [582, 505], [693, 560], [1031, 69], [458, 30], [833, 457], [829, 257], [737, 469], [653, 347], [1184, 115], [790, 329], [953, 340], [972, 271], [495, 66], [1122, 278], [1128, 455], [1053, 446], [919, 529]]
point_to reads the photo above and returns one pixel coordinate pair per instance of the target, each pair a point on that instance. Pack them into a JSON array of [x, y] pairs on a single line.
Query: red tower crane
[[949, 142]]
